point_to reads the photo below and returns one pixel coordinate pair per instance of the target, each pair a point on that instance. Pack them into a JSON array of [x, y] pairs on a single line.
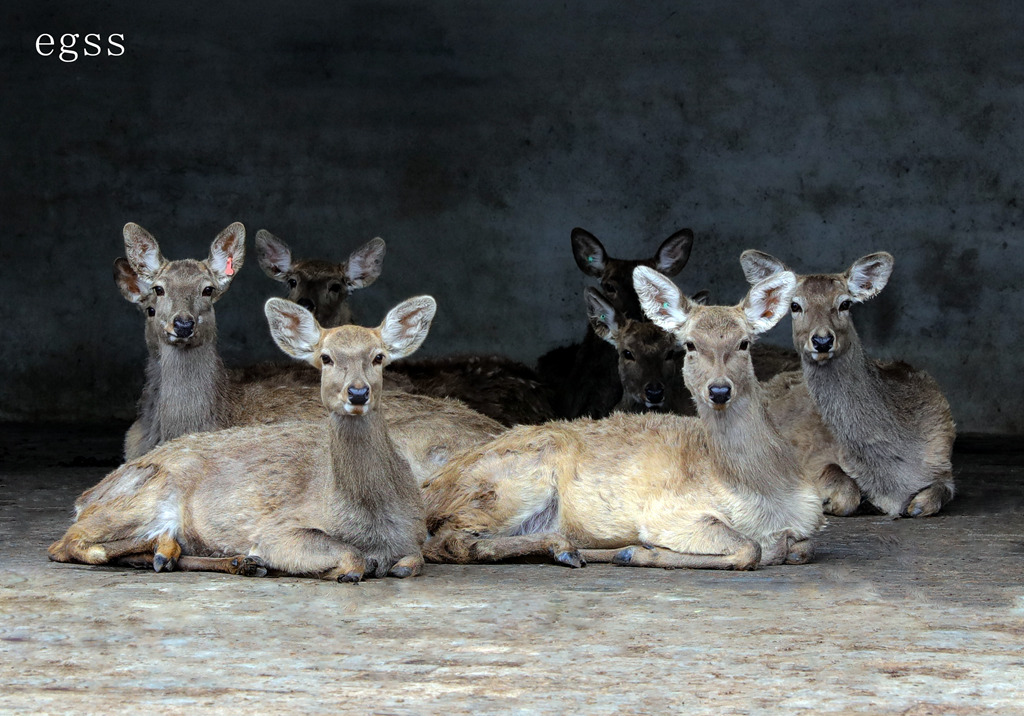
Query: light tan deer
[[723, 490], [187, 387], [650, 360], [890, 426], [333, 499], [323, 287]]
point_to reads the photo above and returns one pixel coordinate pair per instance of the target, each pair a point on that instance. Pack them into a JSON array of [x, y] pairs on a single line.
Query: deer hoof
[[624, 556], [162, 563], [351, 577], [570, 559], [800, 552], [248, 566], [401, 572]]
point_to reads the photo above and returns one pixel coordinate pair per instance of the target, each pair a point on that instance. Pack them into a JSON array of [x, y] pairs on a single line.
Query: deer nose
[[358, 396], [307, 304], [654, 392], [822, 344], [719, 394], [183, 327]]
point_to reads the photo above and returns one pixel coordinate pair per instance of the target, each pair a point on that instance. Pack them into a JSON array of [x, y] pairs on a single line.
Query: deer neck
[[191, 387], [365, 463], [746, 443], [843, 387]]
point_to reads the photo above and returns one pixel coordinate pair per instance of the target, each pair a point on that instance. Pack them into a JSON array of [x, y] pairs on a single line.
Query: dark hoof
[[351, 577], [249, 567], [163, 564], [401, 572], [623, 557], [570, 559]]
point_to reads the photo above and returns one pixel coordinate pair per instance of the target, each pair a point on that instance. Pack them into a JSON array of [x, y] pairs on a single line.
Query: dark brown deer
[[332, 499]]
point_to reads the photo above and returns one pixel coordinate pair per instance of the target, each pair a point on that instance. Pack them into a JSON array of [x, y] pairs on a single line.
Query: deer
[[649, 360], [332, 499], [884, 425], [323, 287], [187, 388], [720, 490], [585, 375]]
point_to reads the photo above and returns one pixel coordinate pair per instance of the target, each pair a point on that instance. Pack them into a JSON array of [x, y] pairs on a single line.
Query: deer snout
[[358, 395], [184, 326], [822, 344], [654, 393], [719, 393]]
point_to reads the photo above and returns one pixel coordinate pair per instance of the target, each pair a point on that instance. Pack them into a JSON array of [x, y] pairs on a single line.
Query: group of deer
[[252, 470]]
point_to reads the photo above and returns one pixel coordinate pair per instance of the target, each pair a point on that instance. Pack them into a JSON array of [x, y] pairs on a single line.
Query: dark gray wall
[[473, 137]]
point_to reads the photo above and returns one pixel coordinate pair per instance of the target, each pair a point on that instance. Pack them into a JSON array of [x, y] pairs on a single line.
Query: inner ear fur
[[406, 326], [674, 252], [602, 315], [227, 254], [273, 255], [588, 252], [661, 300], [869, 275], [133, 287], [294, 329], [142, 250], [768, 300], [757, 265], [365, 264]]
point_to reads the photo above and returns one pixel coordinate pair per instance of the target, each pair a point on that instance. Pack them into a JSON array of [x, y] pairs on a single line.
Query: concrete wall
[[474, 136]]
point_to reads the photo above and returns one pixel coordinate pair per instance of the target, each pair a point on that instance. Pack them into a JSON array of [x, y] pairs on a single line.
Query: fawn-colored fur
[[187, 388], [323, 287], [333, 499], [650, 361], [585, 376], [722, 490], [891, 423]]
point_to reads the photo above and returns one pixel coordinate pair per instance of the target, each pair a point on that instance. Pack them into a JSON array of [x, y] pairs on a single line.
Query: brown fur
[[333, 499], [720, 491]]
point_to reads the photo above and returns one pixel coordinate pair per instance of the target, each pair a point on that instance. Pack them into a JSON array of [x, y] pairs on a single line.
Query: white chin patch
[[653, 405], [356, 409], [819, 357]]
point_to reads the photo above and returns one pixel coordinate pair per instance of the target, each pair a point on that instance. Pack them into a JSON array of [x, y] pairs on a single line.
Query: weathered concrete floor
[[908, 616]]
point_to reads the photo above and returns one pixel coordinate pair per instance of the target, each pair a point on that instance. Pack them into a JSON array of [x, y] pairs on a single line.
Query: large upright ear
[[661, 299], [757, 265], [133, 287], [702, 297], [142, 250], [274, 256], [227, 252], [601, 314], [768, 300], [293, 328], [868, 275], [365, 263], [406, 325], [589, 253], [674, 252]]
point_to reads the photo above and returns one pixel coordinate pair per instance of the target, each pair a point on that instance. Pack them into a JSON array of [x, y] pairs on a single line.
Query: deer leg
[[462, 547], [167, 552], [314, 552], [840, 495], [708, 544], [788, 549], [73, 547], [931, 499], [240, 564]]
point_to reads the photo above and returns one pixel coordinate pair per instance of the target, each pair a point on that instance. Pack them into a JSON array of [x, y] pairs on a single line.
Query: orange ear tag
[[229, 270]]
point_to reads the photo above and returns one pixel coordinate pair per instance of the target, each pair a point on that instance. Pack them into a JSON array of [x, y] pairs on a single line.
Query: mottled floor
[[904, 617]]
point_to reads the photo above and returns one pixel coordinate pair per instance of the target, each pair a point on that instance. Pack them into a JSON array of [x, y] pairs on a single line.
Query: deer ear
[[227, 253], [133, 287], [406, 325], [365, 263], [601, 314], [758, 265], [294, 329], [589, 253], [869, 275], [674, 252], [661, 300], [768, 300], [274, 256], [702, 297], [142, 250]]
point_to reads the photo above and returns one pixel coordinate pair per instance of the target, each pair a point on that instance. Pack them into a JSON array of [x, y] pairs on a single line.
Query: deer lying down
[[332, 499], [890, 425], [720, 491], [187, 387]]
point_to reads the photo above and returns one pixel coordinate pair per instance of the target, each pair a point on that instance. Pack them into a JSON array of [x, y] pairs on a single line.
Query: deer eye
[[845, 305], [608, 288], [325, 359], [690, 346], [208, 291], [334, 288], [795, 307], [292, 283], [150, 311], [628, 355], [744, 345], [158, 290], [378, 359]]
